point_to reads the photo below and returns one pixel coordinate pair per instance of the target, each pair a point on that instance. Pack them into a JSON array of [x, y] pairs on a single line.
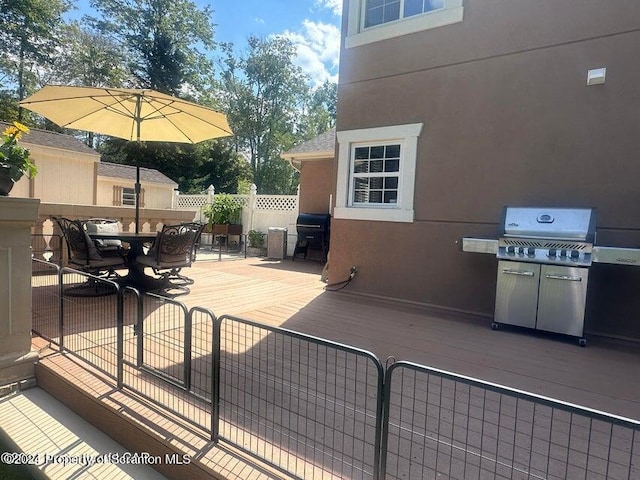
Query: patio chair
[[173, 250], [83, 253], [106, 247]]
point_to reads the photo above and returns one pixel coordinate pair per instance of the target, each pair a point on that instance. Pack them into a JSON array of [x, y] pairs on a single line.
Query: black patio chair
[[173, 250], [83, 254]]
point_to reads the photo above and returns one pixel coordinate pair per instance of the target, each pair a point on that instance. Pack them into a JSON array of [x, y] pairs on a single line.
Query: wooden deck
[[602, 376], [289, 294]]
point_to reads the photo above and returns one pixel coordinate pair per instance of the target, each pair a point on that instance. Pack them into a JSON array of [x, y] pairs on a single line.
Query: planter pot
[[6, 182], [257, 251], [232, 229]]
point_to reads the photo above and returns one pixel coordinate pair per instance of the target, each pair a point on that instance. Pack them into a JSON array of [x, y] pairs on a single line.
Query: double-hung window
[[376, 173], [375, 20]]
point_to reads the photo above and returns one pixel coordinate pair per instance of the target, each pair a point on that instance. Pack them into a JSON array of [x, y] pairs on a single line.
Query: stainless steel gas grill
[[544, 255]]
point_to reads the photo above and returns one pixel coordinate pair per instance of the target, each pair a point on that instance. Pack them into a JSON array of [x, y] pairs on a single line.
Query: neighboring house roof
[[128, 172], [60, 141], [322, 146]]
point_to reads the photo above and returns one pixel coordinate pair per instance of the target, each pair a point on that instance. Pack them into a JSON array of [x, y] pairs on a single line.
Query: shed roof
[[128, 172], [321, 146], [46, 138]]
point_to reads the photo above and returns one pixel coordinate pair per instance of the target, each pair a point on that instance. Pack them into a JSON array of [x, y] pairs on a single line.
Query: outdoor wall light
[[596, 76]]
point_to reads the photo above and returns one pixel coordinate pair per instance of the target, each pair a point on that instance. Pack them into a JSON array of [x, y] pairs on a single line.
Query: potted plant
[[15, 161], [256, 246], [223, 215]]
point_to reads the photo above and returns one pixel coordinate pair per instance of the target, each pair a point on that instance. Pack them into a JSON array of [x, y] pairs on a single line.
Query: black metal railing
[[303, 404], [441, 425], [311, 407]]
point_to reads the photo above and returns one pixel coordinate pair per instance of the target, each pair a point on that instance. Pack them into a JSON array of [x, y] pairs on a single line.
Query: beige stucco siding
[[63, 176], [507, 120], [316, 185], [155, 196]]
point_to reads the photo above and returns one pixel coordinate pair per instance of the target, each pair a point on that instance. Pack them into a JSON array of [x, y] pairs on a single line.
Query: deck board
[[602, 376]]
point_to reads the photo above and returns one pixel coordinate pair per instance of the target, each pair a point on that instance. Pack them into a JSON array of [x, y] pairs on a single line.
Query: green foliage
[[224, 168], [265, 91], [15, 157], [224, 210], [88, 58], [256, 239], [166, 41], [28, 38]]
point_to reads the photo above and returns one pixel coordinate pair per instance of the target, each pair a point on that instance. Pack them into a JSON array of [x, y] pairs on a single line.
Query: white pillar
[[17, 361]]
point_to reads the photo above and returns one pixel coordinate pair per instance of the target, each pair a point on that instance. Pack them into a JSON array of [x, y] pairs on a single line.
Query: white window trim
[[407, 137], [453, 12]]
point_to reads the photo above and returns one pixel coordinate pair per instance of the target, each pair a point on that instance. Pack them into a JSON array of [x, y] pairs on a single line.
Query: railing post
[[120, 339], [60, 311], [187, 348], [215, 381]]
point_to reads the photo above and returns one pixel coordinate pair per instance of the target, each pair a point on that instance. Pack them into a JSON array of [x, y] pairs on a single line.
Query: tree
[[162, 40], [264, 94], [224, 169], [28, 37], [180, 162], [88, 58], [320, 111]]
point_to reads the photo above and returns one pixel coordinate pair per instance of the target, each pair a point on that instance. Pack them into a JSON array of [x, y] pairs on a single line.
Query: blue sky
[[312, 25]]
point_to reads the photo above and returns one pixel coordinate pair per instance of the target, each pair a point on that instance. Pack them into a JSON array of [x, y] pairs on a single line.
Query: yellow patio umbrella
[[132, 114]]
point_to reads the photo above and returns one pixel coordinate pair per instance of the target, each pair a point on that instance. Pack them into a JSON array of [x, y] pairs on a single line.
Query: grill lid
[[577, 224]]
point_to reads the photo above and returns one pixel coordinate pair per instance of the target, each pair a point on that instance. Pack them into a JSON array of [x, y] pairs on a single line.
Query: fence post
[[253, 195]]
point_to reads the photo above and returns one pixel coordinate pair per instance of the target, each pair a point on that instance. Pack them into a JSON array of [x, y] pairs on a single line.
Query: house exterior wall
[[317, 183], [63, 176], [155, 195], [507, 120]]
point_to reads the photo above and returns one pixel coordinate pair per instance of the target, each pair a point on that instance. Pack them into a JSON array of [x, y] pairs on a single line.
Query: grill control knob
[[511, 249], [552, 252], [520, 249], [563, 253], [531, 251], [575, 253]]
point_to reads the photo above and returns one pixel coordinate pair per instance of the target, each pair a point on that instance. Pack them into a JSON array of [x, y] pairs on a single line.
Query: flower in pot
[[15, 161], [223, 212]]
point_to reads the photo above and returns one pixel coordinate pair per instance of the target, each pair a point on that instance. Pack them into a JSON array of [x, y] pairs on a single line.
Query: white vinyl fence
[[259, 212]]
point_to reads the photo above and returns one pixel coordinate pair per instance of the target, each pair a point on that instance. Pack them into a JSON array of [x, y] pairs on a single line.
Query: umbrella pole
[[137, 191]]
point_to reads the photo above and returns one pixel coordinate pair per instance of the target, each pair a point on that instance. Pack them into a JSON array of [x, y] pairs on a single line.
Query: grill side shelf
[[616, 255], [480, 245]]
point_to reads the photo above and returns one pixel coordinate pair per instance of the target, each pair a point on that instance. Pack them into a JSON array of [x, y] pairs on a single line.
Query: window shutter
[[142, 198], [117, 196]]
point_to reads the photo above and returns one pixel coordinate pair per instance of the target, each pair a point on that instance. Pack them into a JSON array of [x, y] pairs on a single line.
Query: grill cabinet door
[[563, 295], [517, 293]]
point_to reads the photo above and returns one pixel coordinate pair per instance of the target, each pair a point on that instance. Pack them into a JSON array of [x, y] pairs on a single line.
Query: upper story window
[[383, 11], [374, 20]]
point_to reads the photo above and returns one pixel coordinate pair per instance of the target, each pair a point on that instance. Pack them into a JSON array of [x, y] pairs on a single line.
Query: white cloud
[[318, 48], [334, 5], [259, 21]]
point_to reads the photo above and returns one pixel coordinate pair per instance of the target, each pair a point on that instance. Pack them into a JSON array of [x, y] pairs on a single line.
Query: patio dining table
[[135, 276]]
